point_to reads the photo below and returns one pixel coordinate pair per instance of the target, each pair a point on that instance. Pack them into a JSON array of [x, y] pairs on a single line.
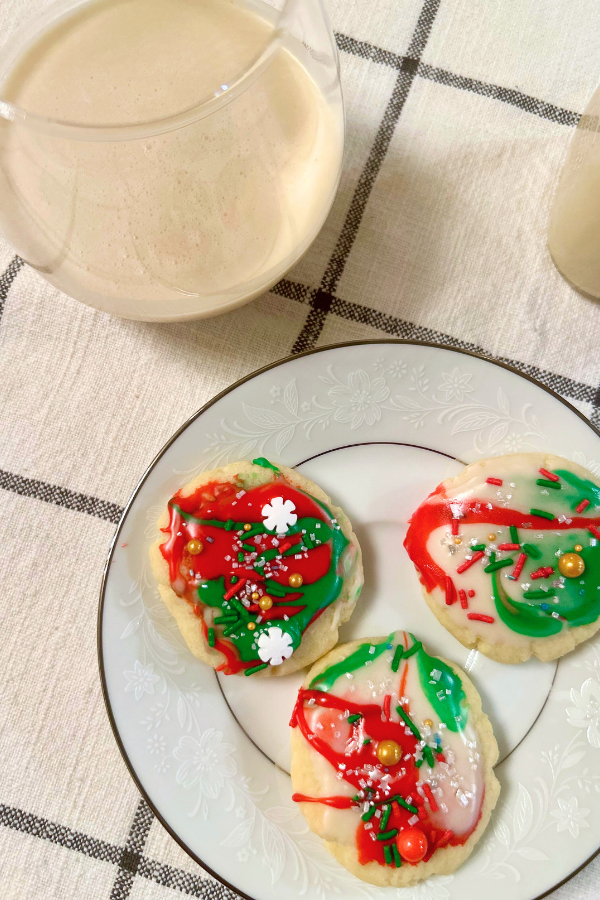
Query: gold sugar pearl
[[389, 753], [247, 526], [578, 548], [251, 626], [265, 602], [254, 595], [428, 723], [296, 580], [491, 537], [458, 540], [571, 565], [194, 547]]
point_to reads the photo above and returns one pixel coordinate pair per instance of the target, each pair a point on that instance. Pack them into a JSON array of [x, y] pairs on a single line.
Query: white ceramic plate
[[377, 425]]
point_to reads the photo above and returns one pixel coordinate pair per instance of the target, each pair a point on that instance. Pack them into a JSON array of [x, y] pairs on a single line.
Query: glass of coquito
[[167, 159], [574, 233]]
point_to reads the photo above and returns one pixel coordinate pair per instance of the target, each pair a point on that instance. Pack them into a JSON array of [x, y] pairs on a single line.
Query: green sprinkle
[[273, 587], [532, 551], [211, 637], [231, 629], [387, 811], [387, 854], [354, 718], [500, 564], [229, 524], [402, 801], [544, 482], [397, 657], [409, 721], [387, 835], [366, 741], [256, 669], [428, 754], [478, 547], [240, 556], [419, 763], [262, 461], [396, 855], [225, 620], [234, 579], [492, 557], [369, 814], [538, 595], [514, 534], [250, 547], [542, 513], [416, 646]]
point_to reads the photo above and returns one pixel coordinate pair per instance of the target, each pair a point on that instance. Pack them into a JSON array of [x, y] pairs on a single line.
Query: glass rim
[[122, 131]]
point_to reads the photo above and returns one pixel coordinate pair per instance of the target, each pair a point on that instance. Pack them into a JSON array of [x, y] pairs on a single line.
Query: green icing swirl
[[314, 597], [583, 486], [577, 600], [264, 462], [444, 691], [364, 654], [439, 682]]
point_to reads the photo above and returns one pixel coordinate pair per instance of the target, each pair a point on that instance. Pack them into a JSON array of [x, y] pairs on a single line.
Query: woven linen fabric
[[459, 114]]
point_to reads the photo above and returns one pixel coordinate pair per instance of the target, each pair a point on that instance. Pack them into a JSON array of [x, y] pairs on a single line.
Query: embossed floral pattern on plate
[[224, 800]]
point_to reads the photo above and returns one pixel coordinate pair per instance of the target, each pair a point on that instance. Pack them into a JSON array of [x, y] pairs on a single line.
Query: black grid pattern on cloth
[[7, 278], [409, 66], [320, 302], [130, 860], [60, 496]]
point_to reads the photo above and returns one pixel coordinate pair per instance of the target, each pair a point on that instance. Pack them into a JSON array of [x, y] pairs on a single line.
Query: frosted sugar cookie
[[258, 568], [392, 760], [508, 554]]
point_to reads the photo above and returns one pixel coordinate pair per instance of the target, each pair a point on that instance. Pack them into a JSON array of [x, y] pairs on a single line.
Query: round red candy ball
[[412, 844]]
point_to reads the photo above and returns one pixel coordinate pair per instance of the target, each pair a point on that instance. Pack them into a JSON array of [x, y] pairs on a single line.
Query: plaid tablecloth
[[459, 116]]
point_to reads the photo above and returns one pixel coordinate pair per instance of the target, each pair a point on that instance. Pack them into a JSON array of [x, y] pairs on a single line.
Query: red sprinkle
[[450, 598], [441, 757], [594, 531], [544, 572], [479, 617], [463, 600], [471, 593], [285, 546], [386, 705], [493, 481], [455, 526], [421, 814], [470, 562], [447, 836], [508, 546], [428, 793], [582, 506], [235, 588], [519, 566], [549, 475]]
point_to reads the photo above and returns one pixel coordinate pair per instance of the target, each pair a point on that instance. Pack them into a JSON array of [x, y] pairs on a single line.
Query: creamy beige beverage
[[165, 225], [574, 233]]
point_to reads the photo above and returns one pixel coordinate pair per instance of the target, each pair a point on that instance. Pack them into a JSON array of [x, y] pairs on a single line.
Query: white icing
[[518, 492], [457, 785]]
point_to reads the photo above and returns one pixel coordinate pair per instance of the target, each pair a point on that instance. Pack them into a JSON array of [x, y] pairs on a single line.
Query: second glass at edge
[[195, 210]]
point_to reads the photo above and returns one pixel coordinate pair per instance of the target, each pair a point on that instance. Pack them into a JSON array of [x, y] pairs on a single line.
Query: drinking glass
[[574, 233], [192, 212]]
